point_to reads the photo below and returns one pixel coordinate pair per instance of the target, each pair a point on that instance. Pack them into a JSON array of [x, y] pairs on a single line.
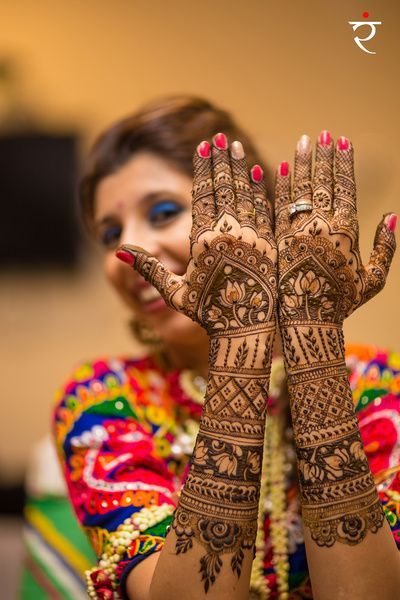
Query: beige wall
[[283, 68]]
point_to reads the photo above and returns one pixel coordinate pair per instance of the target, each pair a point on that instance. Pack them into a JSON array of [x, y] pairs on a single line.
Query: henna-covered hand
[[322, 276], [229, 288], [321, 281], [230, 281]]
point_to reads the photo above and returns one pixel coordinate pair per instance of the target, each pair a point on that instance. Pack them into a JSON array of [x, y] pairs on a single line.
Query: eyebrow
[[104, 221]]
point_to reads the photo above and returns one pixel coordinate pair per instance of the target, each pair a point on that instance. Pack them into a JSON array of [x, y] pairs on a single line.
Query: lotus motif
[[232, 294]]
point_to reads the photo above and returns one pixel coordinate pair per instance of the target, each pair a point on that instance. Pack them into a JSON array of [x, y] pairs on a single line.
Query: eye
[[163, 212], [109, 237]]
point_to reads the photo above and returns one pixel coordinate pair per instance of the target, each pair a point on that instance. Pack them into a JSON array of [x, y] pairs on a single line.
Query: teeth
[[148, 295]]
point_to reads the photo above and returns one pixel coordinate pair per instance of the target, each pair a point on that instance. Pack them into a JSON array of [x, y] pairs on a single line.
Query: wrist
[[247, 351], [312, 349]]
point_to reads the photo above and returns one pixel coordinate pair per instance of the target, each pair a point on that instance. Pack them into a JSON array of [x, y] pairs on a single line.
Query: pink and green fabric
[[116, 424]]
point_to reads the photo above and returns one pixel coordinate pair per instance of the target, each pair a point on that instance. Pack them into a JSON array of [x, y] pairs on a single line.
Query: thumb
[[381, 257], [167, 283]]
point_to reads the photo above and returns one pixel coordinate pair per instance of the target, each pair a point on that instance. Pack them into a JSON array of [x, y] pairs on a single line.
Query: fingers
[[331, 187], [167, 283], [236, 191], [302, 186], [282, 199], [262, 206], [344, 181], [381, 257], [323, 173], [203, 203], [224, 190], [241, 179], [287, 214]]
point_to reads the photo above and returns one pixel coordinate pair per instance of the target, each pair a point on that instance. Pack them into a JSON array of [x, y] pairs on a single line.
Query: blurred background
[[67, 70]]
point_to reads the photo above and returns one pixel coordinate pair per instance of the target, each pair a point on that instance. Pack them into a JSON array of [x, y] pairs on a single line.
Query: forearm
[[343, 518], [230, 289], [211, 543]]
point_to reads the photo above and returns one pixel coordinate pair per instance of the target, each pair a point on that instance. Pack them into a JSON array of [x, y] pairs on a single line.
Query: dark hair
[[169, 127]]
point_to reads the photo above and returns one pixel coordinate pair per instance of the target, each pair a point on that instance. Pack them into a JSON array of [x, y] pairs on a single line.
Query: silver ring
[[298, 207]]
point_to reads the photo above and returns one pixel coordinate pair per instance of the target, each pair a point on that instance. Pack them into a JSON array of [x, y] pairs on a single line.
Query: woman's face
[[147, 202]]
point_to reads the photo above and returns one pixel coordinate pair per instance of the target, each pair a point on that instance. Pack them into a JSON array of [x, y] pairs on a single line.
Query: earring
[[145, 334]]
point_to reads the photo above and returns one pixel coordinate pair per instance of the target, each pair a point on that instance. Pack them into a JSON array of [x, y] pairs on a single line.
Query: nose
[[138, 235]]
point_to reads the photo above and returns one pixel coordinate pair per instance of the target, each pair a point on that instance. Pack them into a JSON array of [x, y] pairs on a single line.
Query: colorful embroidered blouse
[[125, 429]]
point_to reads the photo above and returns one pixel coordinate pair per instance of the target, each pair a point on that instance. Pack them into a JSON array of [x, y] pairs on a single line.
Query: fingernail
[[237, 150], [257, 174], [203, 149], [284, 169], [325, 138], [343, 143], [220, 141], [391, 222], [304, 143], [126, 257]]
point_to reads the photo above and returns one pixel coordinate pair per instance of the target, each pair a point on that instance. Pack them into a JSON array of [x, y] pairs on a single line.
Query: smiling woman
[[173, 464], [137, 187], [133, 204]]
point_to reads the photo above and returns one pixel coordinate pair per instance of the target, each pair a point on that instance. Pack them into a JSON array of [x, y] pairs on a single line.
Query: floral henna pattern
[[230, 290], [322, 280], [224, 458], [220, 498], [227, 290]]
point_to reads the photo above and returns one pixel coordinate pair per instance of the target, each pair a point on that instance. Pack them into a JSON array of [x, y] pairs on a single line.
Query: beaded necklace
[[274, 491]]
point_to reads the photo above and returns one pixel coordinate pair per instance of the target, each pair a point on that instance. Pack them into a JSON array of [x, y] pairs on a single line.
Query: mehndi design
[[321, 281], [230, 290]]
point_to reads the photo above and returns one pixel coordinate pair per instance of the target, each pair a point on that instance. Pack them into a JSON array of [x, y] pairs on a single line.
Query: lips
[[148, 294]]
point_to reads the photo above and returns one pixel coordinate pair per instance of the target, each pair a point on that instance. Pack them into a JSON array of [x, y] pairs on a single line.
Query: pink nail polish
[[126, 257], [284, 169], [257, 174], [325, 138], [391, 222], [220, 141], [343, 143], [203, 149]]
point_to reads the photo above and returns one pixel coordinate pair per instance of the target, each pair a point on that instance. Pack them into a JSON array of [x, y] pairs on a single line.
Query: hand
[[229, 289], [230, 282], [321, 274], [321, 281]]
